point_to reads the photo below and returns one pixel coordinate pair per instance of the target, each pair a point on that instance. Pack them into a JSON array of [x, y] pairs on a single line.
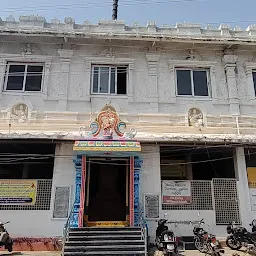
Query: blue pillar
[[137, 166], [78, 165]]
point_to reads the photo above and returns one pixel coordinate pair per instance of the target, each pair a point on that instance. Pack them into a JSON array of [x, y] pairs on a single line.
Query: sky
[[163, 12]]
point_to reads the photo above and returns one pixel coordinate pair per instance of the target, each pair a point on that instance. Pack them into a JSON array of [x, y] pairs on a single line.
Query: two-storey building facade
[[186, 92]]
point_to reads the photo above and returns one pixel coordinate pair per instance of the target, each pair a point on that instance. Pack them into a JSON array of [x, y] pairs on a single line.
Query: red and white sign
[[176, 192]]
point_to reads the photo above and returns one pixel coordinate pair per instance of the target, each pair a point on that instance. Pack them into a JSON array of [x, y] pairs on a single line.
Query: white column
[[242, 186], [150, 179], [153, 80], [65, 58], [230, 66]]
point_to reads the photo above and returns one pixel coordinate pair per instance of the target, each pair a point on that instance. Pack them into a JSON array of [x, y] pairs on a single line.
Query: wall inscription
[[61, 202], [151, 206]]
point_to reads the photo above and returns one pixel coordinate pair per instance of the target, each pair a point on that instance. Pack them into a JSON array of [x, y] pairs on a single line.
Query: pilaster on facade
[[152, 59], [243, 189], [65, 59], [229, 61]]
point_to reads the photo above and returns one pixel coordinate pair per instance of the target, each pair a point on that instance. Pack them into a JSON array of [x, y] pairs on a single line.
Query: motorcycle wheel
[[233, 244], [9, 247], [158, 253], [199, 245]]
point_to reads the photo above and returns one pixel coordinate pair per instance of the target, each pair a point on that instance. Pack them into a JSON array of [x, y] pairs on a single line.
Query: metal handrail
[[143, 226], [66, 228]]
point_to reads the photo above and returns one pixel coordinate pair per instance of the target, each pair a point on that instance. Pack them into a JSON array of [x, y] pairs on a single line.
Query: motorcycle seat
[[252, 233]]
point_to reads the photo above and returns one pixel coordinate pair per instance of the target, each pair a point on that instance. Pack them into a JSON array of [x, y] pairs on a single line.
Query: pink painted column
[[82, 193], [131, 191]]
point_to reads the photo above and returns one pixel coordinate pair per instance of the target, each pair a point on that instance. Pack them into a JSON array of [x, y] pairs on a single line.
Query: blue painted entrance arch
[[78, 179]]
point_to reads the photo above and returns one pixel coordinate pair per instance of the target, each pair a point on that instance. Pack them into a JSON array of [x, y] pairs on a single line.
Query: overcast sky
[[234, 12]]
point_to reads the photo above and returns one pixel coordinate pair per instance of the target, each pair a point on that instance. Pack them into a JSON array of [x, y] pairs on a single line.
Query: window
[[109, 79], [25, 77], [254, 80], [192, 82]]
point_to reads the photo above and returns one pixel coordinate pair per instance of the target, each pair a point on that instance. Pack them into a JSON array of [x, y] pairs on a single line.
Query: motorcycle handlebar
[[3, 223]]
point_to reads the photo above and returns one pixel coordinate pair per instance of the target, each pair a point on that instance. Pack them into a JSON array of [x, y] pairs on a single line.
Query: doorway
[[107, 202]]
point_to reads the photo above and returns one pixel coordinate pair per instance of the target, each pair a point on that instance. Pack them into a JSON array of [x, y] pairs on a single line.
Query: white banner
[[176, 192]]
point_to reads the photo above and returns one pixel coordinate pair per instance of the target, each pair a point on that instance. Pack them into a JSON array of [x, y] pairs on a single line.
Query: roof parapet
[[183, 30]]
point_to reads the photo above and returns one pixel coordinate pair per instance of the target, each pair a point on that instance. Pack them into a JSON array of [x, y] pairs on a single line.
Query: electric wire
[[93, 5], [105, 161]]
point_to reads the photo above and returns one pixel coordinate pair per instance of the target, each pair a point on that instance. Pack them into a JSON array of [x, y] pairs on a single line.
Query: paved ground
[[228, 252]]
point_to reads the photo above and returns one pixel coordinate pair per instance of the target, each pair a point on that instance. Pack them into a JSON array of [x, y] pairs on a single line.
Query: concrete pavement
[[228, 252]]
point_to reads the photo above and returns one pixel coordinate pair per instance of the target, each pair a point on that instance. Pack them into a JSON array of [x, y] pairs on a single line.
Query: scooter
[[166, 242], [5, 239]]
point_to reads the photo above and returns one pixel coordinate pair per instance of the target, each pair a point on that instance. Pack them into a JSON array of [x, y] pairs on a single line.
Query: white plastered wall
[[151, 183], [41, 223]]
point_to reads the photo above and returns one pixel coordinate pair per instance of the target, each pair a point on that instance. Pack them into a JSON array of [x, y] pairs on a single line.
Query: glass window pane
[[113, 80], [95, 79], [34, 78], [254, 81], [200, 83], [121, 80], [15, 77], [184, 82], [104, 79]]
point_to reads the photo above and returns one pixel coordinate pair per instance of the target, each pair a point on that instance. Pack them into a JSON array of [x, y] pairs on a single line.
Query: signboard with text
[[151, 206], [18, 192], [176, 192], [253, 198]]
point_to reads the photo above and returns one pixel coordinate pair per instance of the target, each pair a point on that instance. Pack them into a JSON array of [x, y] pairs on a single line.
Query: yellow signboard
[[18, 192]]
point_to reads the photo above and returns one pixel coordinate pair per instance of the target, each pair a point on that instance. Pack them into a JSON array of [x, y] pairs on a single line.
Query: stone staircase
[[105, 241]]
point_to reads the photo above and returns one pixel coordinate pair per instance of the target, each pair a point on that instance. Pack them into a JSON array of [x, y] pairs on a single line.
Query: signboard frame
[[54, 202], [18, 183], [159, 205], [176, 198]]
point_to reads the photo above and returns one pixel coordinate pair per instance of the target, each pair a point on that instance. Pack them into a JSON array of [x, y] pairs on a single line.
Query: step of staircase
[[104, 247], [109, 253], [101, 232], [112, 229], [104, 241], [104, 237]]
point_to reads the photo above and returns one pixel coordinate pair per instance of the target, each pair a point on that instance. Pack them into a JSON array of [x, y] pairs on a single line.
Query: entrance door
[[107, 192]]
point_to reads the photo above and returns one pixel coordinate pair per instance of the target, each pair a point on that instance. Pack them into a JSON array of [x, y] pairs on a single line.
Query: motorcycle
[[5, 239], [205, 242], [239, 236], [166, 242]]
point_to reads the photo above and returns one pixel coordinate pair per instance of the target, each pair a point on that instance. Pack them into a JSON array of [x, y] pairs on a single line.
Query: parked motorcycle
[[205, 242], [5, 239], [166, 242], [239, 236]]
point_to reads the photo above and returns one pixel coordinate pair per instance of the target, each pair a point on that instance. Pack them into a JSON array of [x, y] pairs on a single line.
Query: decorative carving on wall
[[107, 52], [108, 122], [19, 113], [193, 55], [27, 49], [195, 117]]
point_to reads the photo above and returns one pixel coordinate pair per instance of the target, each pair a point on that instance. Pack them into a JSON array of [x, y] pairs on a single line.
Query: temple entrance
[[107, 200]]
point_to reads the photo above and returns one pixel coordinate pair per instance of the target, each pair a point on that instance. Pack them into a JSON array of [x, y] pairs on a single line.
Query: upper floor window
[[254, 80], [192, 82], [24, 77], [109, 79]]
